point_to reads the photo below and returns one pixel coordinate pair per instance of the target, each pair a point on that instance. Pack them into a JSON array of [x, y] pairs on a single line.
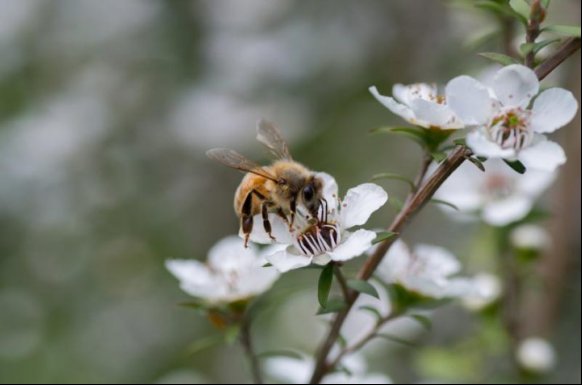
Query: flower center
[[318, 239], [498, 186], [511, 129]]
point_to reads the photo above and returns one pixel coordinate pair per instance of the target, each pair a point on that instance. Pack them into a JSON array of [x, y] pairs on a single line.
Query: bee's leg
[[266, 223], [246, 218], [281, 214], [293, 208]]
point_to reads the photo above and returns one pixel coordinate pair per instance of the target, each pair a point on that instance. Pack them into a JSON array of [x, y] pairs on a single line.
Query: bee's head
[[311, 193]]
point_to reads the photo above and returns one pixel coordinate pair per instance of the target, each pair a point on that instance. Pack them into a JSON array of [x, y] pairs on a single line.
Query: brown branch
[[415, 202], [342, 280], [537, 15], [247, 344]]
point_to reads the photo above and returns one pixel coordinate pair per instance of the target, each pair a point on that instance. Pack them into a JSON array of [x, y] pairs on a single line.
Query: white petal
[[462, 188], [360, 202], [534, 182], [189, 270], [330, 189], [397, 108], [406, 94], [256, 281], [469, 99], [230, 254], [321, 260], [552, 109], [354, 244], [289, 370], [544, 155], [506, 211], [437, 261], [279, 230], [435, 115], [285, 260], [395, 262], [481, 145], [515, 85]]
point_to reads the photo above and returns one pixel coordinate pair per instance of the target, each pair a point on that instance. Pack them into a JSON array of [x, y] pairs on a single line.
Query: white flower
[[421, 105], [531, 237], [536, 354], [232, 273], [499, 194], [328, 239], [506, 127], [487, 289], [426, 270], [297, 371]]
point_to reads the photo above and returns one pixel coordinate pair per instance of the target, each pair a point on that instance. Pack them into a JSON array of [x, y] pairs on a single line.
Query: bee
[[277, 188]]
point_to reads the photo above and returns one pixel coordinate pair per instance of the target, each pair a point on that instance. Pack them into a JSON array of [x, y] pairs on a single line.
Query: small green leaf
[[521, 7], [324, 285], [373, 310], [195, 304], [231, 334], [460, 142], [389, 175], [445, 203], [499, 58], [334, 305], [382, 236], [545, 4], [364, 287], [401, 341], [501, 8], [516, 165], [565, 30], [477, 162], [342, 342], [281, 353], [396, 203], [536, 47], [203, 344], [268, 264], [423, 320], [438, 156]]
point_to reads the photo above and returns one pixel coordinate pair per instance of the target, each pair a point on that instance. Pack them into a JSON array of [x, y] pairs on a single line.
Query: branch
[[247, 344], [342, 280], [537, 15], [565, 51]]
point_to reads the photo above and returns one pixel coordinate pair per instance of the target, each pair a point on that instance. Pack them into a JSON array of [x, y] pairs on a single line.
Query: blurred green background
[[106, 110]]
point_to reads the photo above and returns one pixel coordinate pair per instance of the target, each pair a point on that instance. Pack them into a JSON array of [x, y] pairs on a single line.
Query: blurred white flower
[[500, 195], [232, 273], [421, 105], [487, 289], [531, 237], [426, 270], [536, 354], [298, 370], [328, 239], [506, 127]]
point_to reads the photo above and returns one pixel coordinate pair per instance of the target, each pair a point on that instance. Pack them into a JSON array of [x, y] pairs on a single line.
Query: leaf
[[445, 203], [195, 304], [545, 4], [521, 7], [499, 58], [231, 334], [438, 156], [565, 30], [401, 341], [423, 320], [536, 47], [396, 203], [460, 142], [334, 305], [477, 162], [268, 264], [203, 344], [280, 353], [502, 9], [342, 342], [373, 310], [364, 287], [324, 285], [389, 175], [382, 236], [516, 165]]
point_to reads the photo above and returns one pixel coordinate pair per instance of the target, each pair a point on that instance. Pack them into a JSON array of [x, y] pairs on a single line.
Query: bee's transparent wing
[[235, 160], [270, 136]]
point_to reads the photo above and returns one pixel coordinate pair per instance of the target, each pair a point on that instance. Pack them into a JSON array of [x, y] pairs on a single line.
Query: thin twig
[[536, 16], [342, 280], [247, 344], [411, 207]]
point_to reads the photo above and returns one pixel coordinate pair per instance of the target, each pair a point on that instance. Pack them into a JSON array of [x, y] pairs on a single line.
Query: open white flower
[[536, 354], [232, 273], [530, 237], [487, 290], [326, 238], [506, 127], [500, 195], [298, 370], [421, 105], [426, 270]]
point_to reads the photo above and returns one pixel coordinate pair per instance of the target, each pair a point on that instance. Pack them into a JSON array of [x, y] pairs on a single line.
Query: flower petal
[[515, 85], [285, 260], [330, 189], [469, 99], [354, 245], [552, 109], [437, 261], [406, 94], [279, 230], [481, 145], [506, 211], [543, 155], [189, 270], [395, 263], [360, 202], [397, 108], [230, 254], [435, 115], [289, 370], [534, 182]]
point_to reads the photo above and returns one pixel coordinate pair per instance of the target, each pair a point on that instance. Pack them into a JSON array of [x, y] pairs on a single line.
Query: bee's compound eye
[[308, 192]]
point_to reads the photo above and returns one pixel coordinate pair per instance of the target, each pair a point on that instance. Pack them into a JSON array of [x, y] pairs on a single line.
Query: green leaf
[[460, 142], [536, 47], [545, 4], [521, 7], [389, 175], [516, 165], [445, 203], [396, 203], [231, 334], [501, 9], [477, 162], [499, 58], [334, 305], [364, 287], [401, 341], [382, 236], [565, 30], [373, 310], [203, 344], [268, 264], [423, 320], [342, 342], [324, 285], [280, 353], [438, 156], [194, 304]]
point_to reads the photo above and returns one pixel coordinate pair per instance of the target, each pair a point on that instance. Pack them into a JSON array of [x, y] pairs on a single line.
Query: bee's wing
[[270, 136], [235, 160]]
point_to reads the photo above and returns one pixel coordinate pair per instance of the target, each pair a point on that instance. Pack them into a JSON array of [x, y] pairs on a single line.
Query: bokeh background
[[106, 110]]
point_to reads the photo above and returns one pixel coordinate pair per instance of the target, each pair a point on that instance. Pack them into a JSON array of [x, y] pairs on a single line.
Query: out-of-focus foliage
[[106, 110]]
